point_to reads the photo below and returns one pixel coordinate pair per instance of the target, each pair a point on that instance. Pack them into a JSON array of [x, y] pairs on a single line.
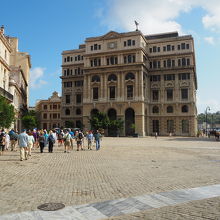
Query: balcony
[[6, 94]]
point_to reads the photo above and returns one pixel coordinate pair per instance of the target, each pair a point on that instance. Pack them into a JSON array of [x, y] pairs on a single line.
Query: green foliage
[[7, 113], [29, 121], [211, 118], [99, 121]]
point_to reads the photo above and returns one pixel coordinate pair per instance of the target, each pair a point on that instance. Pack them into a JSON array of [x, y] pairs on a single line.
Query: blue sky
[[47, 27]]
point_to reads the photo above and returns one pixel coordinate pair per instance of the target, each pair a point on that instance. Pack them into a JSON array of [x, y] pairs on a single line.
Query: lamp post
[[206, 113]]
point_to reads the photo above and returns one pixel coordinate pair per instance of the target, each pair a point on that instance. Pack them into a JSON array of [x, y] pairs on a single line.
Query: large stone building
[[147, 81], [48, 112], [14, 78]]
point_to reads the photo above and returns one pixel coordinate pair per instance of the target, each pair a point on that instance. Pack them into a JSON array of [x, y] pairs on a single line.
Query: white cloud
[[209, 40], [159, 15], [36, 75]]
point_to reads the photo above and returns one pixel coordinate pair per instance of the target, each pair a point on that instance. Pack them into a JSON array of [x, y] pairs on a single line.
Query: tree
[[116, 125], [29, 122], [99, 121], [7, 113]]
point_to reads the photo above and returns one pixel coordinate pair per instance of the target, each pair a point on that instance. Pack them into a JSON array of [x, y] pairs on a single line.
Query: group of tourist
[[26, 140]]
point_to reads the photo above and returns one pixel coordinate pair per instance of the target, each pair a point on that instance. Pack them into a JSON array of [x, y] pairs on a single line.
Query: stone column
[[141, 86], [89, 88], [118, 86], [136, 95], [140, 120]]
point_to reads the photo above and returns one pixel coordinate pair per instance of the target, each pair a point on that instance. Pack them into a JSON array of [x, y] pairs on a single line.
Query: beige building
[[14, 78], [147, 81], [48, 112]]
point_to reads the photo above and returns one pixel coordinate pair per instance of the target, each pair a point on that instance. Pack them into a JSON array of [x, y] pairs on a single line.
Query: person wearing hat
[[23, 144]]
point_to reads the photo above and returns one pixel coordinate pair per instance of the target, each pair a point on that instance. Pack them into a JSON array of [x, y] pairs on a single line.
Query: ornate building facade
[[48, 112], [147, 81], [14, 75]]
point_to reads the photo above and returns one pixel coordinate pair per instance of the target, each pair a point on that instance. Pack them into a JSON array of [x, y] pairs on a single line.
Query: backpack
[[51, 139], [80, 135]]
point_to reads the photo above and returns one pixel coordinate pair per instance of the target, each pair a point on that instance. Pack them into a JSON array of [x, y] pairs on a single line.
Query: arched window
[[185, 108], [155, 109], [112, 77], [170, 109], [96, 78], [129, 76], [78, 111], [67, 111]]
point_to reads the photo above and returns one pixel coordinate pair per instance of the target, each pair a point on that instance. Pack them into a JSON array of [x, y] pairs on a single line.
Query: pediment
[[111, 35], [155, 85]]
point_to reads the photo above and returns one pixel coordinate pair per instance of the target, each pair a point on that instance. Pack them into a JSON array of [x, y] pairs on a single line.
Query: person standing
[[51, 141], [97, 137], [2, 142], [23, 143], [31, 142], [41, 140], [13, 139], [79, 140], [67, 141], [7, 141], [90, 138]]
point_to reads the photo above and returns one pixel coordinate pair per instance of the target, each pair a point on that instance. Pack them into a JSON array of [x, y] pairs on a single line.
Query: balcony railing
[[6, 94]]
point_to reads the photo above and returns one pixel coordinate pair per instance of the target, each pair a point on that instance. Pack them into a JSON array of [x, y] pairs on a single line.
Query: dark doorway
[[156, 126], [112, 114], [129, 122]]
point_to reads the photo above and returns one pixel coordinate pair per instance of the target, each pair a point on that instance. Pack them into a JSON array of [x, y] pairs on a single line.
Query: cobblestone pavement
[[124, 167]]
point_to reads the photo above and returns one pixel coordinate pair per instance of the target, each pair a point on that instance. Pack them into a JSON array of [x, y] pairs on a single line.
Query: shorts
[[67, 143], [79, 142], [2, 147]]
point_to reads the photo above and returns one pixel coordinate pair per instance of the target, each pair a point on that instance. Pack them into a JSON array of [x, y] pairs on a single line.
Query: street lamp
[[206, 112]]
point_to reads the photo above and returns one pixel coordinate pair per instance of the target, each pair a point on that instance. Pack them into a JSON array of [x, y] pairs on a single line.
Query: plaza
[[123, 168]]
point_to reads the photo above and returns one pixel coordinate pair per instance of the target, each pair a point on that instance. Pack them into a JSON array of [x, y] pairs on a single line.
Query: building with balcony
[[147, 81], [48, 112], [15, 73]]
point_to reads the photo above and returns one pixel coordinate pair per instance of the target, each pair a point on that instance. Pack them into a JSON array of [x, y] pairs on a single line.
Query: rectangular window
[[79, 83], [133, 42], [155, 95], [168, 47], [178, 47], [179, 62], [151, 65], [164, 48], [67, 99], [169, 94], [154, 64], [99, 47], [168, 77], [78, 98], [112, 92], [125, 44], [188, 62], [91, 47], [185, 126], [158, 49], [170, 126], [129, 42], [155, 78], [184, 94], [173, 63], [158, 64], [54, 106], [45, 106], [150, 50], [187, 46], [183, 61], [54, 115], [64, 60], [169, 63], [95, 93], [129, 91], [45, 115], [154, 49], [173, 47], [164, 63], [184, 76], [95, 46], [183, 46]]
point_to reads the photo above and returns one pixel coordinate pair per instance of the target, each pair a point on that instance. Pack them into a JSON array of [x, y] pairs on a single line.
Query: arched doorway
[[94, 112], [129, 122], [112, 114]]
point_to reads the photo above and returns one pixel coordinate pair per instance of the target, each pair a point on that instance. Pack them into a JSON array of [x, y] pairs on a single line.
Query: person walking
[[7, 141], [90, 138], [23, 143], [13, 139], [41, 140], [97, 137], [67, 141], [31, 141], [2, 142], [79, 140], [51, 141]]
